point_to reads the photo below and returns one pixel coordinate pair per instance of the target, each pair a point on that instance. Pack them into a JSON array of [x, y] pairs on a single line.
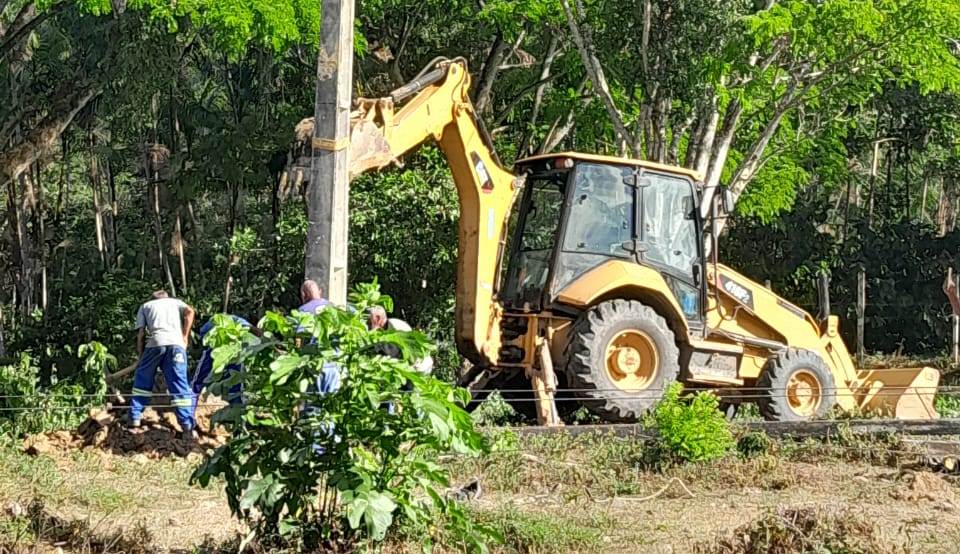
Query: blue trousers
[[327, 382], [201, 380], [173, 361]]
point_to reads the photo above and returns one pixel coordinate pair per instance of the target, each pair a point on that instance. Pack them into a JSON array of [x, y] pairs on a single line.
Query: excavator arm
[[436, 106]]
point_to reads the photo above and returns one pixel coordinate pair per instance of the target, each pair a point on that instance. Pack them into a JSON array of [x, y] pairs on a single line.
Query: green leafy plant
[[754, 444], [690, 431], [27, 407], [337, 470]]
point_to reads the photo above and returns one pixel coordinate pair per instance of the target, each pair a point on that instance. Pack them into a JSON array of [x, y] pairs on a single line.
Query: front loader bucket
[[904, 393]]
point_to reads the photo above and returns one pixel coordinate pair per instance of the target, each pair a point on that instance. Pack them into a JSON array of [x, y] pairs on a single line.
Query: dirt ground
[[105, 431], [590, 488]]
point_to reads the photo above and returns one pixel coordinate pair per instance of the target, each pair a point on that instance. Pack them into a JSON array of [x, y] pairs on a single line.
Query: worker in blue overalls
[[201, 377], [163, 326]]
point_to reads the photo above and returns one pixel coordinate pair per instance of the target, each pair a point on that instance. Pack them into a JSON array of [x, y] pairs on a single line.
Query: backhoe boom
[[439, 108]]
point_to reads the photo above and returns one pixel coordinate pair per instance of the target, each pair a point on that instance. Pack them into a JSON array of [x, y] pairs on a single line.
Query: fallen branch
[[661, 491], [116, 376]]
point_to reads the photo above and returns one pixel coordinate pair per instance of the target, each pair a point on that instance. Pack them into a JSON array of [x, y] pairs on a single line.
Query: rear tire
[[621, 357], [796, 385]]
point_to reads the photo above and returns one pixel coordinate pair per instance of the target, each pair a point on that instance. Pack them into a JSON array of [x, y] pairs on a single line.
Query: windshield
[[540, 218], [601, 211]]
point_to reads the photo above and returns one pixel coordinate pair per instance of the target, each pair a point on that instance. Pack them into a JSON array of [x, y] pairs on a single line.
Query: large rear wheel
[[621, 357], [796, 385]]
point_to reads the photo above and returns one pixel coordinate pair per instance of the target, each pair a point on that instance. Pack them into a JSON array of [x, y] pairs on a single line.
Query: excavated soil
[[805, 529], [157, 437], [922, 486]]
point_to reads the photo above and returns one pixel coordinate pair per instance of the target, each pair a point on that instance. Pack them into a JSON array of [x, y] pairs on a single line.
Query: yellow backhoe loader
[[609, 284]]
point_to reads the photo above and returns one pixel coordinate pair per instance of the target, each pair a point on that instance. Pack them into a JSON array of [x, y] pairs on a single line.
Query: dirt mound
[[922, 485], [158, 435], [795, 530]]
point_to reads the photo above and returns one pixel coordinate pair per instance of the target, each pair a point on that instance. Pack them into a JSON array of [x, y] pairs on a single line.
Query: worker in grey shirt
[[163, 325]]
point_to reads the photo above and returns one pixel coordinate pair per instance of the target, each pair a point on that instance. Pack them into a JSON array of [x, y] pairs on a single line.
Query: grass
[[547, 493], [114, 492], [805, 530], [526, 532]]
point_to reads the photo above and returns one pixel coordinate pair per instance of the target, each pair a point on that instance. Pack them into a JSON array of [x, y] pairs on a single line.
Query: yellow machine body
[[745, 325]]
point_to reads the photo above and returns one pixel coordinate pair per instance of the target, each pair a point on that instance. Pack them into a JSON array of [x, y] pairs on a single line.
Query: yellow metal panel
[[622, 279], [616, 160]]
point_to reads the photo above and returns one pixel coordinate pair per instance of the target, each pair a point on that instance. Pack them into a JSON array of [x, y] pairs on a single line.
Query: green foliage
[[690, 431], [753, 444], [235, 25], [28, 406], [372, 441], [947, 405]]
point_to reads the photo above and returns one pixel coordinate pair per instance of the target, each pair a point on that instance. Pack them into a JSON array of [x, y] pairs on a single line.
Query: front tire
[[621, 357], [796, 385]]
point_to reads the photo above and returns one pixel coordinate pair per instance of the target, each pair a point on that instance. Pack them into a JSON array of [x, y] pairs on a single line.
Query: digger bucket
[[903, 393]]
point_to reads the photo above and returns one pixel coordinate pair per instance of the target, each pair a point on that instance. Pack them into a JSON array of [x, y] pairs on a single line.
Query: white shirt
[[162, 319], [426, 364]]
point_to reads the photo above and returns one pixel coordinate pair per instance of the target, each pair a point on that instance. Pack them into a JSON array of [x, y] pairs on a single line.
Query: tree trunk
[[41, 238], [39, 141], [152, 165], [941, 210], [596, 74], [65, 175], [178, 243], [552, 51], [95, 186], [3, 345], [923, 196], [275, 222], [700, 160], [718, 155], [488, 74], [558, 132], [114, 242]]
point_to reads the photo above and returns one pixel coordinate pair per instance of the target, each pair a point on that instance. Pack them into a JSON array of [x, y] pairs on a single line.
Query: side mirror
[[728, 203]]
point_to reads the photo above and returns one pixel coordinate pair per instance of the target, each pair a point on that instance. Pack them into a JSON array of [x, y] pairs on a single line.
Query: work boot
[[189, 435], [133, 423]]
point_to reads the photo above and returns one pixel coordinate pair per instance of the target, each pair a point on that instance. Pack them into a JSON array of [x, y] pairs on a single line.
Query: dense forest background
[[144, 142]]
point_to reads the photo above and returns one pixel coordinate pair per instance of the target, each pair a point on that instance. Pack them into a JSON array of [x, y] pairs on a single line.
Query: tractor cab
[[578, 212]]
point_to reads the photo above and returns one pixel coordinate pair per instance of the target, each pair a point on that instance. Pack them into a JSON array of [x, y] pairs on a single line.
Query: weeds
[[524, 532], [37, 526], [693, 431], [805, 530]]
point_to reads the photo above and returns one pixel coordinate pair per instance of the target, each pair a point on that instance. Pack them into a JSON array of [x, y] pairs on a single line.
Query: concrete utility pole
[[326, 249]]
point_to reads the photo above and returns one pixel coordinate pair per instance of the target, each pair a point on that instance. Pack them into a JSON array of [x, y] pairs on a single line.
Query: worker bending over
[[163, 325], [378, 320], [311, 297], [201, 377]]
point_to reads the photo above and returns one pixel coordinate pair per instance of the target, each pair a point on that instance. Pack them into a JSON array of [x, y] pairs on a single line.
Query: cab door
[[668, 238]]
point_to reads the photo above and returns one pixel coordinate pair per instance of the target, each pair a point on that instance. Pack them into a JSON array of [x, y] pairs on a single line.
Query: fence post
[[951, 287], [861, 308], [956, 338]]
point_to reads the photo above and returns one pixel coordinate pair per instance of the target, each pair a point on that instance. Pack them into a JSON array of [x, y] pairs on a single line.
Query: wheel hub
[[804, 393], [632, 360]]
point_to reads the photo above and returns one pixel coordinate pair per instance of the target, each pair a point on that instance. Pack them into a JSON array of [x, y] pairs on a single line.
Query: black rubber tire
[[586, 366], [772, 385]]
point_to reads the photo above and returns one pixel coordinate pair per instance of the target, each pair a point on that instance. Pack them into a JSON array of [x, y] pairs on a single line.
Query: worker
[[201, 377], [311, 296], [378, 320], [163, 326]]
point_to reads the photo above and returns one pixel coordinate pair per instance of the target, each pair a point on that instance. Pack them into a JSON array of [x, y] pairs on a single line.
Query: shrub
[[693, 431], [805, 529], [753, 444], [27, 407], [345, 471]]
